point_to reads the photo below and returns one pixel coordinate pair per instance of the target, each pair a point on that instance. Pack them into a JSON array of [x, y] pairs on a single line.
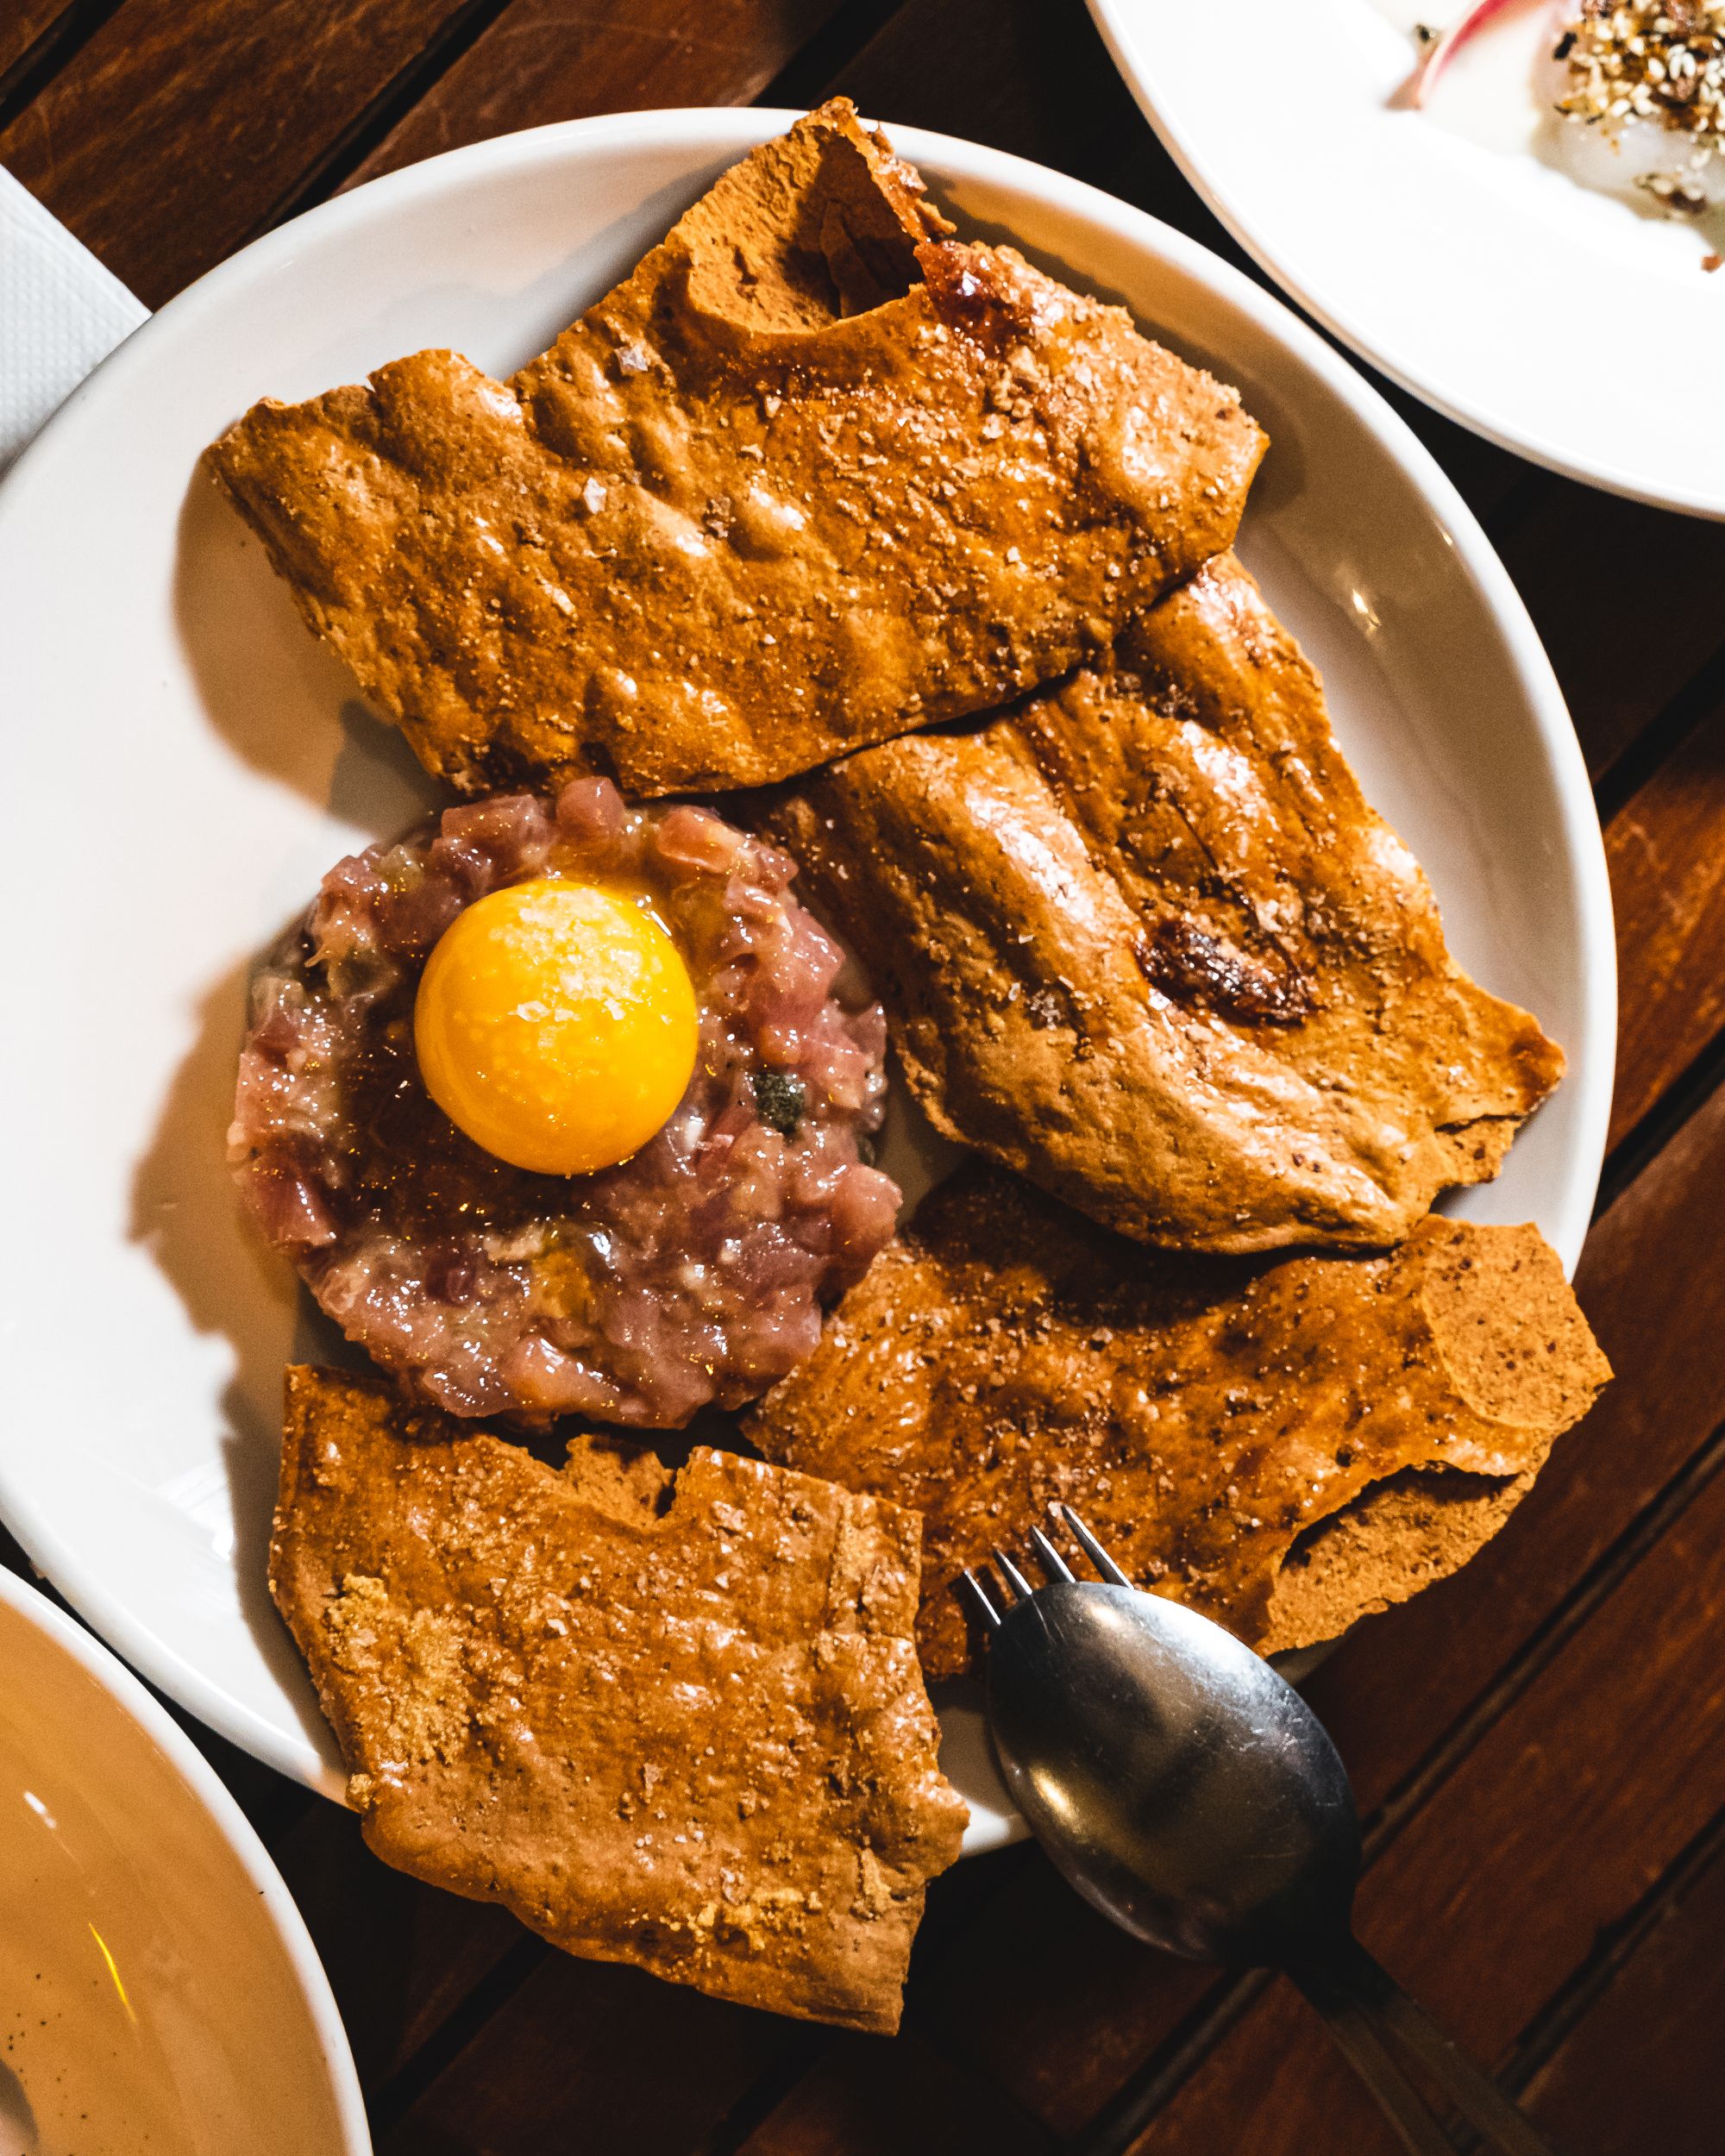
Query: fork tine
[[1017, 1585], [986, 1609], [1054, 1563], [1093, 1549]]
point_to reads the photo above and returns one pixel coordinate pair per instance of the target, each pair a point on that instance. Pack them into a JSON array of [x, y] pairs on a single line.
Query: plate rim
[[212, 1796], [1110, 17], [720, 131]]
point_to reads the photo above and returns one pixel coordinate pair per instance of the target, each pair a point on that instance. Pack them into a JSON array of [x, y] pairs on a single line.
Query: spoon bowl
[[1184, 1788], [1177, 1780]]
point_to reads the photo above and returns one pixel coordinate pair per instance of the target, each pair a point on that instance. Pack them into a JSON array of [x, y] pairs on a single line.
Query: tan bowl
[[158, 1990]]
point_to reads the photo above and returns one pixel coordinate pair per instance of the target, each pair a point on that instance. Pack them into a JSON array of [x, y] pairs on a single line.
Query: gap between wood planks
[[804, 80], [394, 2098], [545, 61], [386, 110], [437, 101], [1570, 2009], [1624, 2075], [41, 37], [1648, 1140]]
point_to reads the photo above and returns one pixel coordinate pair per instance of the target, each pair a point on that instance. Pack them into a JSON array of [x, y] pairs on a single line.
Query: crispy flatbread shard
[[1143, 939], [1285, 1444], [813, 475], [675, 1721]]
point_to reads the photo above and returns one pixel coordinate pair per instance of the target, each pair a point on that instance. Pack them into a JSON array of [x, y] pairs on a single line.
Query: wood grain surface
[[1538, 1743], [26, 29], [541, 60]]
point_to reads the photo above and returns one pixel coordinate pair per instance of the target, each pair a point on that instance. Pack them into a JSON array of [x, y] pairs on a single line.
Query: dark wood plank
[[1086, 2007], [588, 2055], [1651, 1283], [1286, 2066], [1568, 1809], [561, 59], [173, 136], [413, 1970], [868, 2098], [1028, 76], [273, 1803], [22, 23], [1560, 1819], [1627, 600], [401, 1957], [1640, 2071], [1666, 849]]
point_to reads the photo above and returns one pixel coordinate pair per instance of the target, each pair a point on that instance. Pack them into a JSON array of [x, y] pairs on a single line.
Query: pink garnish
[[1459, 33]]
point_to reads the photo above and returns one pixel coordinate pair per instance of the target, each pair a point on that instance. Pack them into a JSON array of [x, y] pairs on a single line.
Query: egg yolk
[[556, 1025]]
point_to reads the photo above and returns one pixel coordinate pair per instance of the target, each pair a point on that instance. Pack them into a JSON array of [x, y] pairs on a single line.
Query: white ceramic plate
[[158, 1991], [1447, 248], [184, 762]]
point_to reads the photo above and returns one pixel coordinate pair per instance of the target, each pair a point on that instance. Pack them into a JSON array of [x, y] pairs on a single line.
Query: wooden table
[[1538, 1743]]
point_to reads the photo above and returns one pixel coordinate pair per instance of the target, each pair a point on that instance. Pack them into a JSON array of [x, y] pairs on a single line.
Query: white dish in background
[[1448, 247], [158, 1990], [184, 763]]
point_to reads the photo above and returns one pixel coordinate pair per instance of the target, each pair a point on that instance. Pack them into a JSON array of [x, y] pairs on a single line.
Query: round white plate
[[158, 1991], [1447, 246], [184, 762]]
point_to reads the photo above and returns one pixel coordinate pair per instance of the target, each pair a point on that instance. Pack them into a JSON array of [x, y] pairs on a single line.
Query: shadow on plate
[[187, 1211], [278, 698]]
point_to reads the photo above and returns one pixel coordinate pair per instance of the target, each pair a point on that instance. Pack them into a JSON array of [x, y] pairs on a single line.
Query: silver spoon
[[1187, 1791]]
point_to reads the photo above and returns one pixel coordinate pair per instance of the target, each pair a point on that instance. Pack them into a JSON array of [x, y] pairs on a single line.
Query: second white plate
[[184, 763], [1563, 324]]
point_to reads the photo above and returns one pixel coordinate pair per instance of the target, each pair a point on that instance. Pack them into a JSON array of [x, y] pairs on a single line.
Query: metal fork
[[1187, 1791]]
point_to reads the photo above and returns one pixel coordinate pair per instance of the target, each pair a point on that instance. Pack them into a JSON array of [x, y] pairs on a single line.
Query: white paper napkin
[[61, 314]]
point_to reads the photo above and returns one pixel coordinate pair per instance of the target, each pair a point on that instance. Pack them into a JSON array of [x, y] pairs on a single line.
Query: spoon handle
[[1357, 2038], [1349, 1984]]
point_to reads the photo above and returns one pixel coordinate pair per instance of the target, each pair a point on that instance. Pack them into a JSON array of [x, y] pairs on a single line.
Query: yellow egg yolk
[[556, 1025]]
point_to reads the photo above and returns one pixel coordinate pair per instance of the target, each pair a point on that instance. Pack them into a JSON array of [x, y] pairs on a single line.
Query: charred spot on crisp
[[970, 294], [991, 878], [1187, 962]]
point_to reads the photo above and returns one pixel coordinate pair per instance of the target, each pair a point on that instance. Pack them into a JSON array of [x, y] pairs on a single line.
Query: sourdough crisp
[[1143, 939], [1284, 1445], [814, 474], [820, 481], [675, 1720]]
